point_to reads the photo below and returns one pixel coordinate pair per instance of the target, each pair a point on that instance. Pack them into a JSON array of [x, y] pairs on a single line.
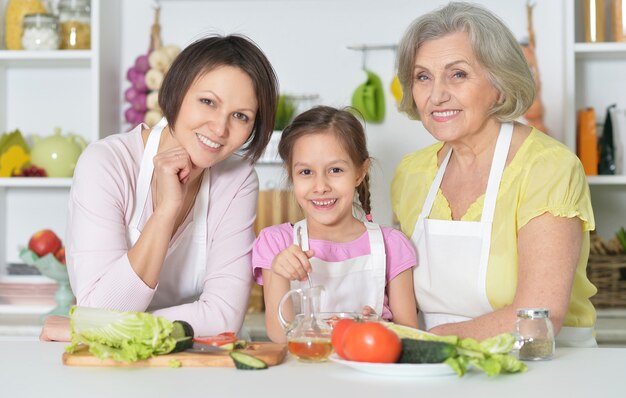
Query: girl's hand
[[293, 263], [369, 313], [172, 169]]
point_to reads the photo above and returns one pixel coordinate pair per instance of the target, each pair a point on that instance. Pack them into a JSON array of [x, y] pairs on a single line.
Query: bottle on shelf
[[587, 141], [607, 152], [618, 20], [593, 14]]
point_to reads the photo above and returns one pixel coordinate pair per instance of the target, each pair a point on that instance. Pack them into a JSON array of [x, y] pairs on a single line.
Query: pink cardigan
[[101, 203]]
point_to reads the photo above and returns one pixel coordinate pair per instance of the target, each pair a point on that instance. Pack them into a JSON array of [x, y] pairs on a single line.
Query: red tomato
[[338, 334], [220, 339], [371, 342], [44, 242]]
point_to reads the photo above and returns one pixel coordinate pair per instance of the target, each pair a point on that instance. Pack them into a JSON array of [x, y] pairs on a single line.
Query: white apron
[[450, 279], [351, 284], [185, 261]]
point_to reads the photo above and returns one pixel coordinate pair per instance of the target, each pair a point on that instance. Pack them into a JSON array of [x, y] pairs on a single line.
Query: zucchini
[[247, 362], [423, 351]]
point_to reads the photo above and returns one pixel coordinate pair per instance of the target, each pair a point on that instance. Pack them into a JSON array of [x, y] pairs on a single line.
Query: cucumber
[[237, 345], [423, 351], [182, 332], [182, 329], [247, 362]]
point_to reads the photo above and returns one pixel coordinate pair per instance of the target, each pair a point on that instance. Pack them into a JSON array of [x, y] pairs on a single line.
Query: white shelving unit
[[75, 90], [595, 78]]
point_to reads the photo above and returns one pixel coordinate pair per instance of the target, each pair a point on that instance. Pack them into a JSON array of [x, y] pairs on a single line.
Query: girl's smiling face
[[451, 90], [324, 180], [217, 115]]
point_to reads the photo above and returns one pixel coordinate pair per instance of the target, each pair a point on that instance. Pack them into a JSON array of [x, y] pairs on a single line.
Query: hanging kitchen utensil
[[369, 98]]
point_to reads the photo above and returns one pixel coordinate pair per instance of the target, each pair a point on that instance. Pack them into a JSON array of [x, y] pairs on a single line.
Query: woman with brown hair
[[161, 219]]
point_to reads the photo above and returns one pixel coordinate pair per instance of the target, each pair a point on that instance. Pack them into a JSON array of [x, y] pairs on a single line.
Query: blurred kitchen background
[[320, 50]]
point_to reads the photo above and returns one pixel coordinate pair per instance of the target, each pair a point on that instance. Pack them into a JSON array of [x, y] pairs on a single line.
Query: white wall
[[306, 42]]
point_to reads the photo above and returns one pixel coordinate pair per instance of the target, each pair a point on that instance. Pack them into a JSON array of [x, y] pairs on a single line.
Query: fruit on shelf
[[60, 255], [14, 153], [31, 171], [44, 242]]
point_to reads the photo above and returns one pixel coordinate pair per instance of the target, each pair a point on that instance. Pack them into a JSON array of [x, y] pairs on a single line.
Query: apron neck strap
[[432, 192], [497, 169], [145, 170]]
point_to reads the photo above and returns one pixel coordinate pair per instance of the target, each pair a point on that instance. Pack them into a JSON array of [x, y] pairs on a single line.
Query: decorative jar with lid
[[41, 32], [75, 20]]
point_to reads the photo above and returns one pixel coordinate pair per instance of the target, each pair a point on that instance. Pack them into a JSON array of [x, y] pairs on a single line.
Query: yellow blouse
[[544, 176]]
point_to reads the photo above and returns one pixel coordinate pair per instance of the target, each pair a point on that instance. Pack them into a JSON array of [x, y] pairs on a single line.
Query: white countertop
[[34, 369]]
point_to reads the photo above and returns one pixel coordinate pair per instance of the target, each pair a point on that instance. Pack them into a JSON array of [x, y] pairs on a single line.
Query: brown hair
[[210, 53], [494, 45], [346, 128]]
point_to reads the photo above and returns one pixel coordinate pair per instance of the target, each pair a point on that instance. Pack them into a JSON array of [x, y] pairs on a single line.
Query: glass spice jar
[[75, 20], [40, 32], [534, 333]]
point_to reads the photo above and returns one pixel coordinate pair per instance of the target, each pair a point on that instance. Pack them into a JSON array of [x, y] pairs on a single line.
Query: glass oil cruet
[[308, 337]]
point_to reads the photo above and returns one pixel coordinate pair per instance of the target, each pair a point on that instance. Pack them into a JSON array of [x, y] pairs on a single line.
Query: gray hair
[[494, 45]]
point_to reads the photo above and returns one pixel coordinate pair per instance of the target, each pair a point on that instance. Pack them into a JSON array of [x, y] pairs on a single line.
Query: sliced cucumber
[[247, 362], [183, 344], [182, 332], [181, 329]]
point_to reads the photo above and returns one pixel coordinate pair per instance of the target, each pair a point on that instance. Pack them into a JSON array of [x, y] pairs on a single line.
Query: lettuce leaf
[[490, 355], [122, 336]]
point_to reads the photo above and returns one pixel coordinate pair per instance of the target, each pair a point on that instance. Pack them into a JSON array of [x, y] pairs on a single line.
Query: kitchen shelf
[[607, 180], [595, 50], [42, 90], [592, 79], [35, 182]]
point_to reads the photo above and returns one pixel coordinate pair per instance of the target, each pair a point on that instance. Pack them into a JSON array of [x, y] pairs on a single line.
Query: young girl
[[360, 265]]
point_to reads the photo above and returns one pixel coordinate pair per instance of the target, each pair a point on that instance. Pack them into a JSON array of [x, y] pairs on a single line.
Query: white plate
[[397, 369]]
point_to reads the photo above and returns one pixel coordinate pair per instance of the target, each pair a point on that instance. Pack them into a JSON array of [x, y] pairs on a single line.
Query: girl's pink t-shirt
[[400, 254]]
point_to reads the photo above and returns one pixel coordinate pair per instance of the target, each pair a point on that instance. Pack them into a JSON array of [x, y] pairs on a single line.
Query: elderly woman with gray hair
[[499, 212]]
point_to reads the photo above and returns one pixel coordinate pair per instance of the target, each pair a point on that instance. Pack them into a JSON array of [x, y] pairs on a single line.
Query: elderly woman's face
[[217, 115], [451, 89]]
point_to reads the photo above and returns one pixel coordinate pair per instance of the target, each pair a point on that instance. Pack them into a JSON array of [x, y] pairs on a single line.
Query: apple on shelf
[[44, 242], [46, 252]]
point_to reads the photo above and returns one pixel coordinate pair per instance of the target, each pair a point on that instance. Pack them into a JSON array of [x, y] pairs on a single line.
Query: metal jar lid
[[531, 313]]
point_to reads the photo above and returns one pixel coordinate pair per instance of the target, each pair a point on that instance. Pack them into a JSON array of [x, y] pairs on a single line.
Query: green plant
[[284, 112]]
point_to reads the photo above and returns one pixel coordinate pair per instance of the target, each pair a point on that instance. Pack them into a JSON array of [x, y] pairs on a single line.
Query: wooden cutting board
[[271, 353]]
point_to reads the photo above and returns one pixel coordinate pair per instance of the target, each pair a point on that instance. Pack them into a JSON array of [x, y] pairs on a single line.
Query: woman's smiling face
[[217, 115], [451, 90]]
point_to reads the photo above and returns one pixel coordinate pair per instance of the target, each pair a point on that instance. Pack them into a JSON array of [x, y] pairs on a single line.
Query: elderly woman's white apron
[[450, 278]]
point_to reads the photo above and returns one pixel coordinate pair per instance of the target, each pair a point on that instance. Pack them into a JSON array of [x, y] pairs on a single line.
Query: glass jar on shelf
[[75, 21], [40, 32]]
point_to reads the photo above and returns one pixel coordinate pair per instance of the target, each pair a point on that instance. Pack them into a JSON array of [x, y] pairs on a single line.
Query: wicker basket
[[608, 274]]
